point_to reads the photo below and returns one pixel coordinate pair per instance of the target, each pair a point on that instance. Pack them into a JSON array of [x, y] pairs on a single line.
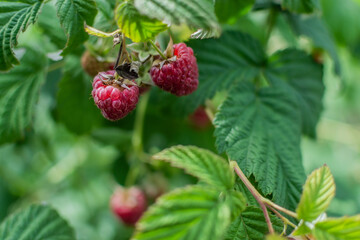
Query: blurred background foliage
[[72, 158]]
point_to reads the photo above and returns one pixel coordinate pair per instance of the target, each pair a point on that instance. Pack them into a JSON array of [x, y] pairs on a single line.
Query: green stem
[[55, 66], [139, 125], [157, 49], [271, 20], [284, 210]]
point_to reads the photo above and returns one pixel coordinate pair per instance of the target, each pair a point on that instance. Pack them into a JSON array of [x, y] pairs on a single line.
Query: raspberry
[[128, 204], [199, 119], [179, 77], [114, 101], [93, 66]]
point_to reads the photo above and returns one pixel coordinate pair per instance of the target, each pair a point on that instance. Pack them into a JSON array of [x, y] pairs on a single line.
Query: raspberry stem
[[157, 49]]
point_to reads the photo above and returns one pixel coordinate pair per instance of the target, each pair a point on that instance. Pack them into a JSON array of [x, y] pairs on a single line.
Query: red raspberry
[[128, 204], [199, 119], [114, 101], [179, 77]]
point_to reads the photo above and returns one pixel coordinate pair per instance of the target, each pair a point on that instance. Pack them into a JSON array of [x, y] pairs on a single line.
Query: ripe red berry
[[114, 101], [179, 77], [200, 119], [128, 204], [93, 66]]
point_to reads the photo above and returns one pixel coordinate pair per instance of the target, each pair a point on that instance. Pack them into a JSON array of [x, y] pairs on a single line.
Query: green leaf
[[197, 14], [275, 237], [36, 222], [135, 26], [314, 28], [318, 192], [301, 6], [260, 130], [19, 90], [201, 163], [345, 228], [76, 108], [191, 213], [251, 225], [230, 10], [73, 14], [303, 80], [15, 17]]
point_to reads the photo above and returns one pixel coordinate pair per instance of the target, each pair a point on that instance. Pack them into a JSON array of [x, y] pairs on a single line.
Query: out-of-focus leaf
[[345, 228], [231, 9], [301, 6]]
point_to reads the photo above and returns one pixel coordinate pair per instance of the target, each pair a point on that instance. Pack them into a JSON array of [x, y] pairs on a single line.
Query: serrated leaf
[[201, 163], [345, 228], [135, 26], [301, 6], [191, 213], [261, 131], [19, 90], [73, 14], [15, 17], [314, 28], [75, 106], [251, 225], [237, 202], [197, 14], [303, 80], [232, 9], [36, 222], [318, 192]]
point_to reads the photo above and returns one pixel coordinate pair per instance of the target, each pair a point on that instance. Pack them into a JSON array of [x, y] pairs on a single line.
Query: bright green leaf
[[275, 237], [251, 225], [201, 163], [227, 10], [260, 130], [318, 192], [301, 6], [191, 213], [135, 26], [345, 228], [197, 14], [15, 17], [73, 14], [37, 222], [19, 90], [76, 108], [303, 81]]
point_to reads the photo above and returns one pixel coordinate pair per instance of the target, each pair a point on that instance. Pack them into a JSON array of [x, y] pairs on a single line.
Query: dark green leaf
[[230, 10], [251, 225], [303, 81], [15, 17], [73, 14], [201, 163], [37, 222], [301, 6], [76, 107], [260, 129], [19, 90]]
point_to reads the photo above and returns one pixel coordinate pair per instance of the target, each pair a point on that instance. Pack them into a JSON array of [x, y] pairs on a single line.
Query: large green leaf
[[303, 80], [301, 6], [317, 194], [314, 28], [73, 14], [192, 213], [15, 17], [198, 14], [135, 26], [251, 225], [201, 163], [37, 222], [345, 228], [260, 129], [230, 10], [76, 108], [19, 90]]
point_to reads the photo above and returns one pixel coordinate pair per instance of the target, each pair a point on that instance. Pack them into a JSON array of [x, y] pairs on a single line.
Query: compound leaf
[[19, 90], [36, 222], [15, 17], [197, 14], [201, 163], [318, 192], [261, 131], [73, 14], [135, 26], [345, 228]]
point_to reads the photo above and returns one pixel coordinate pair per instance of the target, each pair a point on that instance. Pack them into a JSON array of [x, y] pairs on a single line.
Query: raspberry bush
[[179, 119]]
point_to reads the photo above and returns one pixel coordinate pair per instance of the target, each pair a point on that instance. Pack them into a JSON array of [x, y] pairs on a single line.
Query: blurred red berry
[[200, 119]]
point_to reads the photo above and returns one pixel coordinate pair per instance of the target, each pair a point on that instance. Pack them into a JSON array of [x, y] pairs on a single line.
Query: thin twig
[[284, 210], [157, 49], [284, 219]]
